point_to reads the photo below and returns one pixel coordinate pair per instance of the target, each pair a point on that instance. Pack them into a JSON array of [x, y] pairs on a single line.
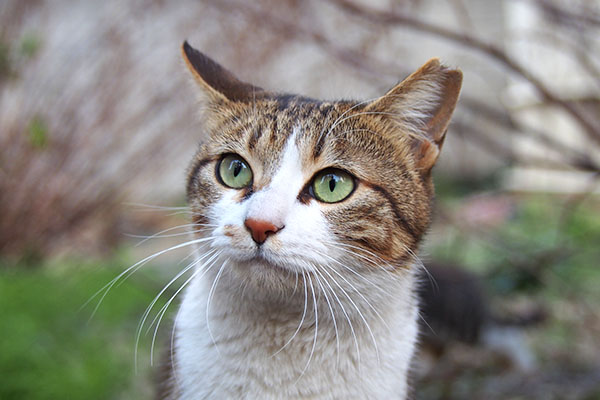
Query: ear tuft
[[218, 83], [422, 105]]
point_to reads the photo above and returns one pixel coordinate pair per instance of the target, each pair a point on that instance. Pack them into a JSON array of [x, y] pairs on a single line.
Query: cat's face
[[287, 185]]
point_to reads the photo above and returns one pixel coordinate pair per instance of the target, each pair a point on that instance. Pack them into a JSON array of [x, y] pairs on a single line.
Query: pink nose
[[260, 229]]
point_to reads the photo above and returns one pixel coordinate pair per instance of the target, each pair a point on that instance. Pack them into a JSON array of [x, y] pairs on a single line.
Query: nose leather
[[260, 229]]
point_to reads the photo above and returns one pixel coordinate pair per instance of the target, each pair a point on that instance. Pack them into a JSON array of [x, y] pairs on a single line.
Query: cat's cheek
[[228, 214], [305, 237]]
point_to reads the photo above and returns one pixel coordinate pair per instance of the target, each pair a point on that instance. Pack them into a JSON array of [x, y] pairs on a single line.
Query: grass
[[49, 349]]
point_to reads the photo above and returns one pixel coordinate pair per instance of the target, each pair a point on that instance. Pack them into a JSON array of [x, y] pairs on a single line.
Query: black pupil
[[237, 168], [332, 182]]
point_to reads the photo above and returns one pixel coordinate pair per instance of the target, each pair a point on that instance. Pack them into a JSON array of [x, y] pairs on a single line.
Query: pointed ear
[[422, 105], [218, 83]]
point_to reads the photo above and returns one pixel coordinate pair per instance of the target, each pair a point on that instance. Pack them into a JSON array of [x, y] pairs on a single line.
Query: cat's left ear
[[218, 84], [422, 105]]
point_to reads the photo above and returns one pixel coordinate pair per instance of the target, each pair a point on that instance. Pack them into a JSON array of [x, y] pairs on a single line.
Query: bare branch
[[488, 49]]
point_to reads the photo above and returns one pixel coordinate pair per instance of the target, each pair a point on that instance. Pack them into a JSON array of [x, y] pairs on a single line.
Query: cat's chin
[[265, 264], [264, 279], [261, 260]]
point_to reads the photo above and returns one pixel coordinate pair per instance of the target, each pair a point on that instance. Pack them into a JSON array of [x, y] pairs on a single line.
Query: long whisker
[[370, 259], [420, 264], [151, 207], [183, 271], [204, 268], [431, 278], [337, 121], [343, 311], [295, 283], [149, 308], [360, 314], [210, 295], [383, 266], [160, 234], [360, 294], [337, 339], [131, 270], [365, 113], [301, 320], [312, 350], [355, 273], [172, 349]]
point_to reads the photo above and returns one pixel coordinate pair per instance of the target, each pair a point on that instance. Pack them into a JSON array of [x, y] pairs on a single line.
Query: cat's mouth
[[262, 259]]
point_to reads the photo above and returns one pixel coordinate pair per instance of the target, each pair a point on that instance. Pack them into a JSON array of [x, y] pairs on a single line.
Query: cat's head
[[286, 184]]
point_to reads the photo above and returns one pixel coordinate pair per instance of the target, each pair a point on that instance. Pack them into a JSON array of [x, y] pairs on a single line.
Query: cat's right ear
[[218, 84]]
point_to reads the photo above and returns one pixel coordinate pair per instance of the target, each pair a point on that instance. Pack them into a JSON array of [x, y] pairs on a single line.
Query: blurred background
[[98, 120]]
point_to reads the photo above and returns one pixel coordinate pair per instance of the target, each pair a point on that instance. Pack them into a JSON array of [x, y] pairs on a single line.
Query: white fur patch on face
[[273, 203], [303, 228]]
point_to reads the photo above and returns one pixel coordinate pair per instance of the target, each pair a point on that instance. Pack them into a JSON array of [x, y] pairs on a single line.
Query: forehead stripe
[[318, 149], [254, 137]]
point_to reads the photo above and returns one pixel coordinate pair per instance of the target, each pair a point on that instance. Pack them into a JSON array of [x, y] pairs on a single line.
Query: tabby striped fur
[[325, 308]]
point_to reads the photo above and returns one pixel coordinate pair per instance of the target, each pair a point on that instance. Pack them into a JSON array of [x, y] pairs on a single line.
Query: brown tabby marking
[[376, 142], [388, 146]]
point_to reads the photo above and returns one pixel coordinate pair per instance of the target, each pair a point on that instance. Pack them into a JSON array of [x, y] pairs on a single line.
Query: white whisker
[[337, 121], [365, 113], [149, 308], [312, 350], [301, 320], [370, 253], [337, 339], [151, 207], [355, 273], [131, 270], [210, 295], [205, 227], [295, 283], [343, 311], [172, 348], [384, 266], [360, 314], [204, 268]]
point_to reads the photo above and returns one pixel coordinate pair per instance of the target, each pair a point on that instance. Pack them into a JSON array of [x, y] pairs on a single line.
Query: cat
[[455, 309], [307, 216]]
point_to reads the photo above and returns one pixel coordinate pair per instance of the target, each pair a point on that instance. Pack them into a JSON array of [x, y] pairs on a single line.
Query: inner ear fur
[[217, 82], [422, 105]]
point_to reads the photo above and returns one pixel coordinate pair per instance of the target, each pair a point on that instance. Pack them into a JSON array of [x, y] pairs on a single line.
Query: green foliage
[[14, 55], [38, 132], [542, 251], [30, 45], [49, 349], [543, 246], [5, 63]]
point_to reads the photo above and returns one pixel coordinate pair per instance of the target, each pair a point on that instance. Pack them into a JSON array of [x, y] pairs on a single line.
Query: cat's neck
[[359, 345]]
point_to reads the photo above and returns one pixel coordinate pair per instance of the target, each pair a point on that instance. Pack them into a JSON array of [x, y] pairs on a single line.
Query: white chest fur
[[235, 352]]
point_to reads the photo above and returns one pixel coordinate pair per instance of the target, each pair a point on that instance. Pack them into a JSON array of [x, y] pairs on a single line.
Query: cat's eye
[[332, 185], [234, 171]]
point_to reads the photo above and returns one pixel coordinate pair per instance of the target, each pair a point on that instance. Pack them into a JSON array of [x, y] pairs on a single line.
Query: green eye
[[332, 185], [235, 172]]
